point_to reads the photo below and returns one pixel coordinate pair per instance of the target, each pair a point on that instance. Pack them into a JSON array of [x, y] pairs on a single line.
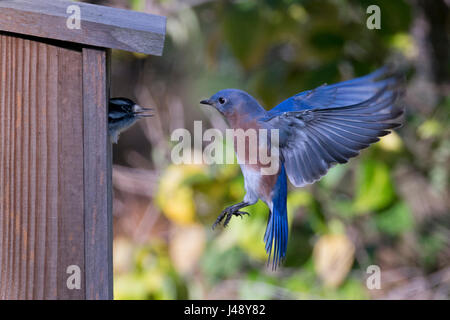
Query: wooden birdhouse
[[55, 154]]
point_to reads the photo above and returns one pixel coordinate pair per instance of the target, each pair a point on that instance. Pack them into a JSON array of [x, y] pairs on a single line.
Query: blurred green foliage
[[391, 198]]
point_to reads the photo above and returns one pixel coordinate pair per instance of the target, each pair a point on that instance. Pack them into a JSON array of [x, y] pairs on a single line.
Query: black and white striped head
[[122, 114]]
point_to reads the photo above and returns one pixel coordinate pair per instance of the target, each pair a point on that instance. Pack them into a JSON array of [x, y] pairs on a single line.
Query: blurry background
[[388, 207]]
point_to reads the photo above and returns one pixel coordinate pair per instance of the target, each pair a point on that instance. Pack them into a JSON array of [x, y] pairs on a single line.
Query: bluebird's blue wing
[[316, 137], [341, 94]]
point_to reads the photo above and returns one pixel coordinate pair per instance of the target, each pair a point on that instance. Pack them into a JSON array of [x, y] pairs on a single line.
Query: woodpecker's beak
[[142, 112], [207, 101]]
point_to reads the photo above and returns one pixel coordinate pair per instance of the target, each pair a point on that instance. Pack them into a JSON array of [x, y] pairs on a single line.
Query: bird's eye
[[222, 100]]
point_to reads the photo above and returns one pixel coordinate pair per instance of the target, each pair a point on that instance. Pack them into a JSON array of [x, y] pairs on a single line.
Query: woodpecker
[[122, 114]]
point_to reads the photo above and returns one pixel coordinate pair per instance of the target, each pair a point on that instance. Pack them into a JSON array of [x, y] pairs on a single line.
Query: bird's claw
[[240, 213], [218, 221], [227, 214]]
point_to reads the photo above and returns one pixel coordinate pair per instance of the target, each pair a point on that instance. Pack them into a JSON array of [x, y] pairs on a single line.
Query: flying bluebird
[[317, 129]]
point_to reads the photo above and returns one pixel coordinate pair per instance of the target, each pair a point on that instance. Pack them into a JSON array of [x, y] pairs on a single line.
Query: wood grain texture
[[100, 26], [97, 176], [71, 178], [55, 202]]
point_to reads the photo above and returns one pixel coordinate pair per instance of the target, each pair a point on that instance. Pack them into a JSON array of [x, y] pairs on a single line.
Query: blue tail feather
[[276, 234]]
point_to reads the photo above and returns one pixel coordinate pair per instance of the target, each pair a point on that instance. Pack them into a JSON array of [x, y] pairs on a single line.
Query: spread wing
[[331, 124], [341, 94]]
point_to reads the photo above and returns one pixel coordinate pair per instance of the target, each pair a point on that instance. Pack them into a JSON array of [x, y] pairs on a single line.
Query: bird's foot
[[228, 213]]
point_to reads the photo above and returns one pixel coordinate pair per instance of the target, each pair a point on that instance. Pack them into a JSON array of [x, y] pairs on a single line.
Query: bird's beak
[[142, 112], [207, 101]]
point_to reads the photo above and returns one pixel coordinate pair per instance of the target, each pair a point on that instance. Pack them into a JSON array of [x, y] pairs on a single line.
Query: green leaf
[[334, 176], [345, 208], [395, 220], [297, 199], [375, 189], [430, 129], [137, 5]]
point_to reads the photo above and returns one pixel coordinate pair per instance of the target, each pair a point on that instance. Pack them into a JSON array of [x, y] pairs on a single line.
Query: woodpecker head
[[122, 114]]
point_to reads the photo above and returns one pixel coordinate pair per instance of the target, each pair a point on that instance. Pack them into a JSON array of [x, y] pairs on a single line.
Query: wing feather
[[318, 137]]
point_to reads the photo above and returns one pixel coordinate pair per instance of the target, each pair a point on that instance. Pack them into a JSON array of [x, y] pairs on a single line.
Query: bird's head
[[231, 102], [120, 108], [122, 114]]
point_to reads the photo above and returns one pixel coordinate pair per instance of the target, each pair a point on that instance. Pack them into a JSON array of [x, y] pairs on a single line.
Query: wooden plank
[[71, 168], [97, 176], [41, 169], [100, 26]]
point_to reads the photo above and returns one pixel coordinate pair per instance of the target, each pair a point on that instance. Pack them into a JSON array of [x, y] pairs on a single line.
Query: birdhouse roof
[[85, 24]]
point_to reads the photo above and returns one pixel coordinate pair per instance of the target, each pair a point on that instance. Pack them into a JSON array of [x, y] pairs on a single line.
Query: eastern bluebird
[[317, 129]]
